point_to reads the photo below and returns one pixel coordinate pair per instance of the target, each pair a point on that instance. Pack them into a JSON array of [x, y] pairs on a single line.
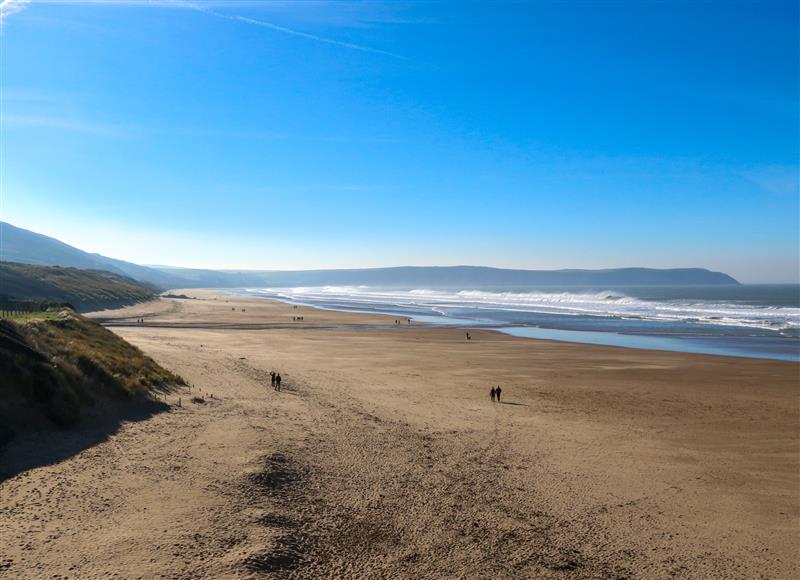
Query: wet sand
[[383, 457]]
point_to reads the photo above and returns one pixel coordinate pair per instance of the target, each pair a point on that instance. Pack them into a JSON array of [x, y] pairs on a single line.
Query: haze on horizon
[[278, 135]]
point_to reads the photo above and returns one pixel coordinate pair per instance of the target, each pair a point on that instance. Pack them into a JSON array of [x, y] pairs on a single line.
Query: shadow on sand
[[515, 404], [31, 449]]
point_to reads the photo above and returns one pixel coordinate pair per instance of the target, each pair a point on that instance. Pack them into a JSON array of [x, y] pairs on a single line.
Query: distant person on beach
[[468, 336], [278, 382], [497, 392], [272, 378], [491, 394]]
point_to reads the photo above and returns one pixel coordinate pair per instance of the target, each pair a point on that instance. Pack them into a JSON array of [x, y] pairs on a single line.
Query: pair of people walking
[[495, 393], [276, 380]]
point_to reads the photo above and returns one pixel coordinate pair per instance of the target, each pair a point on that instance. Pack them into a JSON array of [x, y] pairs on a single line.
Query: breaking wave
[[601, 304]]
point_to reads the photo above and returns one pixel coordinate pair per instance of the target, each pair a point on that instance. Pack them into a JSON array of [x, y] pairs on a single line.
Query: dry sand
[[383, 457]]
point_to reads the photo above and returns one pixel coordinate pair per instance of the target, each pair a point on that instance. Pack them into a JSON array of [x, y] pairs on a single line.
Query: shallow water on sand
[[761, 321]]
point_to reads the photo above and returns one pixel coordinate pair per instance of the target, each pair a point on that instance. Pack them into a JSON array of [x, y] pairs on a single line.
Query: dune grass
[[61, 364], [21, 317]]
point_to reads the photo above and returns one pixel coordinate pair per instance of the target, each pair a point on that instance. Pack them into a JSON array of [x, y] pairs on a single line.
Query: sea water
[[761, 321]]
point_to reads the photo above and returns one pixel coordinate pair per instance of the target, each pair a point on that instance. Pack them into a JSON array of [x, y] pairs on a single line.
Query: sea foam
[[606, 303]]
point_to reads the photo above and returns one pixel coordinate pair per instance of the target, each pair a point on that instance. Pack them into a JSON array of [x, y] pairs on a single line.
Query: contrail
[[285, 30], [315, 37], [9, 7]]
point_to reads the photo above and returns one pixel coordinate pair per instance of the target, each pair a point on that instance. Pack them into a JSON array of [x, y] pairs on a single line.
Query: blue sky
[[321, 134]]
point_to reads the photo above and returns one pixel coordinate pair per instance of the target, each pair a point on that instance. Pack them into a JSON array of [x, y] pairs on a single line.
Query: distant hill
[[474, 276], [84, 289], [28, 247]]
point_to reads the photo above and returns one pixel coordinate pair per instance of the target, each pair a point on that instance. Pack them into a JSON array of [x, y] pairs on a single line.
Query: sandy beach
[[384, 457]]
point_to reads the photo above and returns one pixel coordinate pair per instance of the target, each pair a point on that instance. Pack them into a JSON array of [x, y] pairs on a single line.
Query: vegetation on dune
[[84, 289], [55, 365], [20, 316], [60, 364]]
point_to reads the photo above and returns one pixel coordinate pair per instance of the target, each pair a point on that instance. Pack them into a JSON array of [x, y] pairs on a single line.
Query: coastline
[[384, 456], [690, 344]]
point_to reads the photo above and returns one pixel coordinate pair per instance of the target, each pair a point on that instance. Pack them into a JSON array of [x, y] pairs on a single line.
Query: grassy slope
[[60, 366], [84, 289]]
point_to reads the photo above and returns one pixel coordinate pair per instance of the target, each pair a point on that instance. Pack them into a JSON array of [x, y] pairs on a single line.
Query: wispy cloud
[[776, 179], [101, 129], [64, 124], [9, 7], [22, 95]]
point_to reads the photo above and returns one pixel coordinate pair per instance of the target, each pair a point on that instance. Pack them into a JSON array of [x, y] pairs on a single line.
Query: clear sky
[[320, 134]]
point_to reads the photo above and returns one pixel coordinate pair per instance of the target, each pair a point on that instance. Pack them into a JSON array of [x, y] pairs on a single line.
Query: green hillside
[[84, 289]]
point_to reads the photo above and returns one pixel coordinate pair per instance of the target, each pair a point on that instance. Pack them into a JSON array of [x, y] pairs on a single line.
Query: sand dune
[[383, 457]]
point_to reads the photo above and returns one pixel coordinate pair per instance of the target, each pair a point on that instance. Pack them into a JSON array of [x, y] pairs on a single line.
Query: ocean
[[761, 321]]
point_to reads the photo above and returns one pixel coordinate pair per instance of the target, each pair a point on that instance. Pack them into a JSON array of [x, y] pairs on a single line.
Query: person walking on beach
[[272, 378], [491, 394], [278, 382], [497, 392]]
